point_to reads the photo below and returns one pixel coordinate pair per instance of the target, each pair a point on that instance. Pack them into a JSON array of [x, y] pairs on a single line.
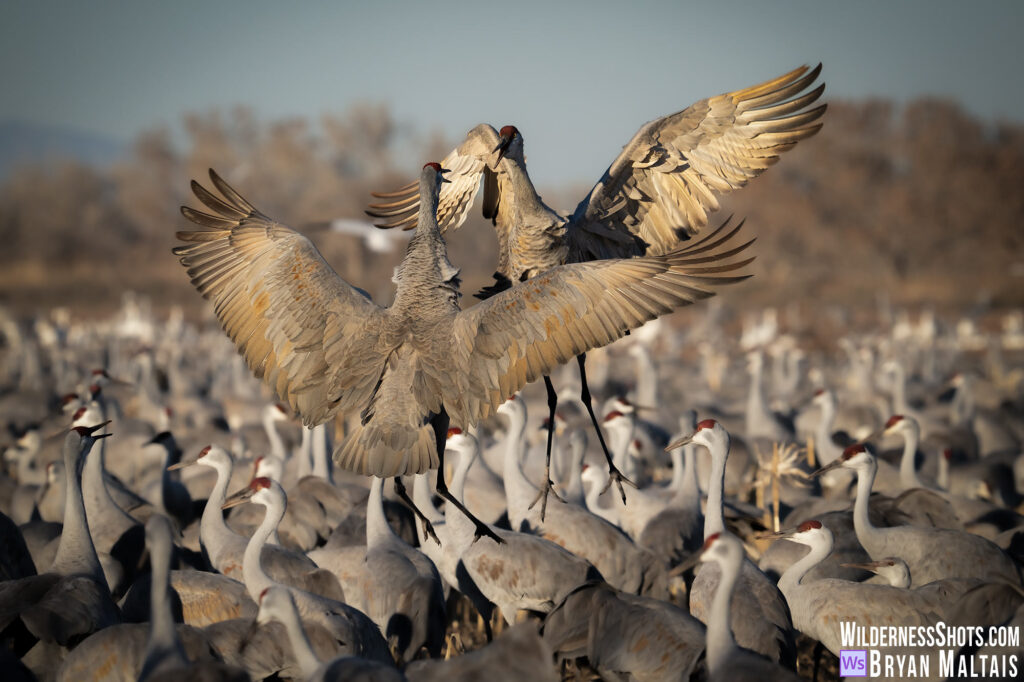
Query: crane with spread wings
[[412, 368]]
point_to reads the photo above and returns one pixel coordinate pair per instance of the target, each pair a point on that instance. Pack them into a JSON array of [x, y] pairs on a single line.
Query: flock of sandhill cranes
[[211, 535]]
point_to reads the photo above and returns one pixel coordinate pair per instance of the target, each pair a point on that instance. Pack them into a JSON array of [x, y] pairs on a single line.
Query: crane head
[[894, 423], [437, 169], [245, 494], [857, 456], [505, 138], [701, 435]]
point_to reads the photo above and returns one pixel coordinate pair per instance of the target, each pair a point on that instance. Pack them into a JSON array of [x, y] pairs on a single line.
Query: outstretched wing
[[666, 180], [466, 165], [524, 332], [301, 328]]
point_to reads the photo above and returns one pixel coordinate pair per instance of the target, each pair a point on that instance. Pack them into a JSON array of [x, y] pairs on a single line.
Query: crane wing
[[300, 327], [465, 165], [524, 332], [667, 178]]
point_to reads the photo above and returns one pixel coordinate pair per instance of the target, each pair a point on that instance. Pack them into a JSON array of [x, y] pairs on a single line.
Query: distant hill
[[23, 142]]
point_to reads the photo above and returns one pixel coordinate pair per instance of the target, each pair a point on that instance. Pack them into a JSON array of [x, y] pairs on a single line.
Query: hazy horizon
[[577, 78]]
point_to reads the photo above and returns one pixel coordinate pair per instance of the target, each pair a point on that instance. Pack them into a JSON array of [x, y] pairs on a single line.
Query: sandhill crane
[[276, 603], [517, 654], [676, 531], [819, 606], [658, 191], [726, 660], [768, 632], [623, 564], [327, 349], [931, 553], [403, 594], [522, 571], [625, 636], [351, 627], [944, 594], [71, 600], [142, 650], [225, 548]]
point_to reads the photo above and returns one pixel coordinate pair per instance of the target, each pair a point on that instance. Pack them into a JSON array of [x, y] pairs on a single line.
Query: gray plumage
[[326, 348], [657, 191]]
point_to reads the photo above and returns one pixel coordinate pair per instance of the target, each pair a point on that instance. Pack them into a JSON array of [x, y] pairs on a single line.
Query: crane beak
[[182, 464], [685, 566], [680, 442], [240, 497], [443, 178], [93, 429], [503, 143], [835, 464], [867, 566], [777, 535]]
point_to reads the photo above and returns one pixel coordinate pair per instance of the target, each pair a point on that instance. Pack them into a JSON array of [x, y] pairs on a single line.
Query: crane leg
[[402, 493], [542, 494], [440, 423], [613, 472]]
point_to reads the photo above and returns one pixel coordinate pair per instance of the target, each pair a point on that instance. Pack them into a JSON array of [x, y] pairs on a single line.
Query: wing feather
[[667, 179], [465, 165], [296, 322], [522, 333]]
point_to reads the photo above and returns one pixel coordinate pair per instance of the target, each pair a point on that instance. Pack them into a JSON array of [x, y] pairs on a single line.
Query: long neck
[[593, 500], [163, 644], [688, 494], [378, 532], [574, 489], [459, 525], [621, 436], [519, 492], [421, 497], [213, 531], [720, 642], [256, 579], [825, 424], [714, 522], [526, 197], [276, 444], [908, 474], [98, 501], [755, 397], [301, 647], [321, 462], [791, 578], [867, 534], [76, 553], [304, 466]]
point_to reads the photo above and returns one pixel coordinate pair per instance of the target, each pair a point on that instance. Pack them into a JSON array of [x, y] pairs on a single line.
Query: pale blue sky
[[577, 78]]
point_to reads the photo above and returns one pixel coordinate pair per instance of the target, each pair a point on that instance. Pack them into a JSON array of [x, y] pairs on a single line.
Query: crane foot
[[614, 475], [542, 497], [482, 529]]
